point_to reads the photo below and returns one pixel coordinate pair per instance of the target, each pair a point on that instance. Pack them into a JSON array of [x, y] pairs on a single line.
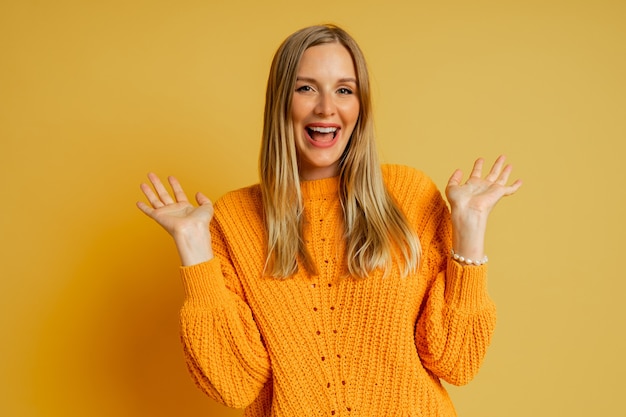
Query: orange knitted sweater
[[330, 345]]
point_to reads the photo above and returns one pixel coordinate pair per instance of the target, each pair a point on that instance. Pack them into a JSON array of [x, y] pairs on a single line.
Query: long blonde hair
[[374, 225]]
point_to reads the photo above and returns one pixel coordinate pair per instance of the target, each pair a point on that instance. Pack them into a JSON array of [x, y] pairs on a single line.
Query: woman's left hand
[[479, 195], [471, 203]]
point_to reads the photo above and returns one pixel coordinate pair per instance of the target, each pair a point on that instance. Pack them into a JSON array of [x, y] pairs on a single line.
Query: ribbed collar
[[326, 187]]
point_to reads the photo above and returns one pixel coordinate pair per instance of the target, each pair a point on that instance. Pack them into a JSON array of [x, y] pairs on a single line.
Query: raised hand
[[186, 223], [481, 194], [472, 201]]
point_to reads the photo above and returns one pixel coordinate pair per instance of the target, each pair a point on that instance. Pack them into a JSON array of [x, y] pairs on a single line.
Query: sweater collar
[[326, 187]]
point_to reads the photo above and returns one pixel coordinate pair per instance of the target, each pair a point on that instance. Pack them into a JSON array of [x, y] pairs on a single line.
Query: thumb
[[455, 178], [202, 199]]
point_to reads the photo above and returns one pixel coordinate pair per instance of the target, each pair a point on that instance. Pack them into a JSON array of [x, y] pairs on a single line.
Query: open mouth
[[322, 134]]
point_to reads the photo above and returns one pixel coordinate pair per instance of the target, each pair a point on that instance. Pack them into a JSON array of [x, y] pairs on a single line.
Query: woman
[[335, 286]]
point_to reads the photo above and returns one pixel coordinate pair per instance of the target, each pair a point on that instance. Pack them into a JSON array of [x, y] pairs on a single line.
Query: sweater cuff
[[466, 286], [204, 284]]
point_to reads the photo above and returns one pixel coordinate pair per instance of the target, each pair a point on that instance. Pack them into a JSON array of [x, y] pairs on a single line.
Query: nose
[[325, 105]]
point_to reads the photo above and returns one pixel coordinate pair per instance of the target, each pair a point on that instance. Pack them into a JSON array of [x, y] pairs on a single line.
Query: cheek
[[352, 107], [298, 109], [357, 113], [352, 114]]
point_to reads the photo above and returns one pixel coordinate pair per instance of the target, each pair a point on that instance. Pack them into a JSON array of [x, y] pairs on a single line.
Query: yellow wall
[[94, 94]]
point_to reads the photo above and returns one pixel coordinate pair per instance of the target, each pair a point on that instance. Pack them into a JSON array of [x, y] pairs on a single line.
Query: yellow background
[[94, 94]]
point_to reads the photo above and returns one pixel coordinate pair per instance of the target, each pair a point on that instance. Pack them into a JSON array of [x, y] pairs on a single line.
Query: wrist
[[194, 245], [469, 220], [468, 236]]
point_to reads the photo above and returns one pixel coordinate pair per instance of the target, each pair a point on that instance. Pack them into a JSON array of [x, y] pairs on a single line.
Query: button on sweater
[[330, 344]]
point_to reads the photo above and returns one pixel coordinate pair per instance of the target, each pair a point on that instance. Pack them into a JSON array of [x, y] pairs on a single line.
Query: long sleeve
[[326, 343], [222, 344], [458, 317]]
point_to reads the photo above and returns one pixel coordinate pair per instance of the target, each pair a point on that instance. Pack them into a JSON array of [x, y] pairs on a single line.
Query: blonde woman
[[335, 286]]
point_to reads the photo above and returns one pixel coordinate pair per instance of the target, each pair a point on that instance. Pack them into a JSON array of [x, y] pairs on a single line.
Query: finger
[[145, 208], [151, 196], [179, 193], [512, 189], [202, 199], [477, 170], [456, 178], [164, 195], [496, 169], [504, 175]]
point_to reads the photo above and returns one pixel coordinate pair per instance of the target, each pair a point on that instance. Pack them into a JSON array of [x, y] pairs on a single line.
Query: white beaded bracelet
[[468, 261]]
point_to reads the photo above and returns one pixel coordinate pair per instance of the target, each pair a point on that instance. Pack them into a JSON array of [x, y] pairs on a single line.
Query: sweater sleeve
[[458, 317], [222, 344]]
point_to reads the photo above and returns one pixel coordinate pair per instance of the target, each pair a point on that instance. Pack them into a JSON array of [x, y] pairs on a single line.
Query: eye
[[345, 91], [304, 89]]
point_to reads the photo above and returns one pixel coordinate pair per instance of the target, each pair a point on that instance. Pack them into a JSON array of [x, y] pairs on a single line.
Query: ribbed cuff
[[204, 284], [466, 286]]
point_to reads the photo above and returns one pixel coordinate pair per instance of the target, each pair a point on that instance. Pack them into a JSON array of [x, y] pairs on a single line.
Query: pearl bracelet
[[468, 261]]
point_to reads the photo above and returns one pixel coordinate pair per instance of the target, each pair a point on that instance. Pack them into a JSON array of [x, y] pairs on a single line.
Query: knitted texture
[[330, 344]]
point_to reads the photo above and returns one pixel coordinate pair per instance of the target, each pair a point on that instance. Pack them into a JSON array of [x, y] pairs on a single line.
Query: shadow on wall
[[109, 344]]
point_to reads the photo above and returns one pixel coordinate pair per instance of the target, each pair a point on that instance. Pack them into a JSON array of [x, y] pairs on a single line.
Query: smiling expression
[[324, 110]]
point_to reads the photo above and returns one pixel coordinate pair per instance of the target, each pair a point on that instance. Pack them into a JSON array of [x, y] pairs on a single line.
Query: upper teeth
[[323, 129]]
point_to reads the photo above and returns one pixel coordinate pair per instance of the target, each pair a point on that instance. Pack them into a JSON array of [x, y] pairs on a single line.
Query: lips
[[322, 136]]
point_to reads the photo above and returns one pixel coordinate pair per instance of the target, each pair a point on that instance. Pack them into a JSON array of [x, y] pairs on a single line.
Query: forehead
[[329, 59]]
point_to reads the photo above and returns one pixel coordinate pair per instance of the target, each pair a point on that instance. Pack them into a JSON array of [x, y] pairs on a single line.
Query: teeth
[[323, 129]]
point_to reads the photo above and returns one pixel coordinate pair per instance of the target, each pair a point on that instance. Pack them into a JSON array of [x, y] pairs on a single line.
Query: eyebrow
[[341, 80]]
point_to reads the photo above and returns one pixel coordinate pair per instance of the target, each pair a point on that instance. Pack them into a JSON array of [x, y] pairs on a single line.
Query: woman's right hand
[[187, 224]]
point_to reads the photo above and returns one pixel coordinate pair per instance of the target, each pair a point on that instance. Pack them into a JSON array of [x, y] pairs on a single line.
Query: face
[[324, 109]]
